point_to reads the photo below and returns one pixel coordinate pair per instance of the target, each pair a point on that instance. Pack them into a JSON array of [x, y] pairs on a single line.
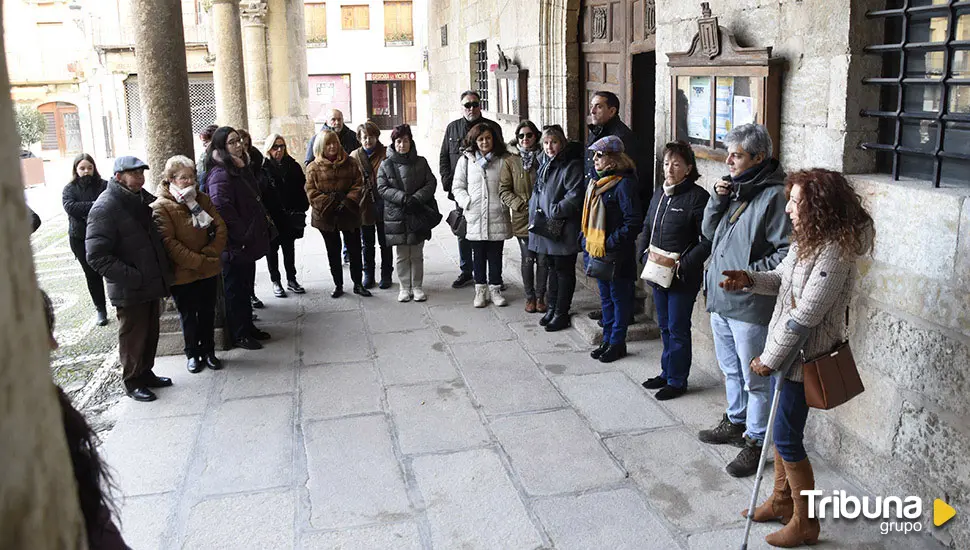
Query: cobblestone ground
[[84, 346]]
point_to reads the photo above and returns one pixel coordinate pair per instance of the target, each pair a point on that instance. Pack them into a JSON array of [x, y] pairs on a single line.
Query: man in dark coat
[[124, 246], [604, 118], [451, 148], [348, 138]]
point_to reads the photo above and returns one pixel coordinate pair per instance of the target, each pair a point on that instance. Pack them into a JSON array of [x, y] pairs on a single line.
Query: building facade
[[873, 88], [366, 58]]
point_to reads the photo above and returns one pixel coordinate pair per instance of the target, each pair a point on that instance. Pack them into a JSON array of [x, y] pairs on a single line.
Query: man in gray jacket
[[746, 222]]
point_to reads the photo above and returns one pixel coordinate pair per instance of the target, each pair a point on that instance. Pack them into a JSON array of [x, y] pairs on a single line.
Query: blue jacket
[[623, 222]]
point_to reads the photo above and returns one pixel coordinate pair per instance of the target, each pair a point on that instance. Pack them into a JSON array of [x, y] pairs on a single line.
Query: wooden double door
[[617, 40]]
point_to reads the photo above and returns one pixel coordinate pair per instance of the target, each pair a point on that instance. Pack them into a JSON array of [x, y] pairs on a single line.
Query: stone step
[[171, 342], [643, 329]]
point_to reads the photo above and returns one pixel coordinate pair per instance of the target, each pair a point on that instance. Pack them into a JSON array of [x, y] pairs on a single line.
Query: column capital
[[253, 11]]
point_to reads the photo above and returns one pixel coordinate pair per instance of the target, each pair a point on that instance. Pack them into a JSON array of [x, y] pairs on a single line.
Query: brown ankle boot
[[800, 530], [779, 506], [541, 306]]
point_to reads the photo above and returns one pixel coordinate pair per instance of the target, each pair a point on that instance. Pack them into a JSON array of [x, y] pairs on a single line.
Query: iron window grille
[[924, 105], [202, 104], [479, 51]]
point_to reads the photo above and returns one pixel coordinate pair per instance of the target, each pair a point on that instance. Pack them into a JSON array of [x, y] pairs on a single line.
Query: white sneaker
[[481, 295], [404, 295], [419, 295], [497, 298]]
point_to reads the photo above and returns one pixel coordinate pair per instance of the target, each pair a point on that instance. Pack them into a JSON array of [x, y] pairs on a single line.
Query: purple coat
[[236, 199]]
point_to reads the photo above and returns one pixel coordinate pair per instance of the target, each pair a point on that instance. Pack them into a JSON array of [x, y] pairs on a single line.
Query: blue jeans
[[736, 343], [789, 431], [465, 255], [616, 299], [674, 309]]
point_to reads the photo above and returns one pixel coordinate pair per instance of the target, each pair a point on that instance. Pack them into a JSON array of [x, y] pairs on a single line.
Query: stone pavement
[[370, 424]]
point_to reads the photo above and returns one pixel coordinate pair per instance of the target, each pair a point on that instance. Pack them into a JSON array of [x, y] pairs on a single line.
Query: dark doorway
[[385, 103], [644, 107]]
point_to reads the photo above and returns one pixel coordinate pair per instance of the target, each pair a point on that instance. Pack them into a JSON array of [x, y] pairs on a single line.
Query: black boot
[[359, 289], [550, 313], [612, 353], [596, 353], [368, 278], [102, 317], [385, 280], [212, 361], [337, 292], [559, 322]]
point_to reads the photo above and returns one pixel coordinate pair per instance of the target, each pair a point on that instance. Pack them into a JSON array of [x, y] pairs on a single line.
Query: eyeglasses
[[278, 146], [526, 135], [472, 105], [234, 141]]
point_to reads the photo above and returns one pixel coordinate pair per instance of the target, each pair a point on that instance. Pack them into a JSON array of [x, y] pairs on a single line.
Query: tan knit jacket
[[822, 287]]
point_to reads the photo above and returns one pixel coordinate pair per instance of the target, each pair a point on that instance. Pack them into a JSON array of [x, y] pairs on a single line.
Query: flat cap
[[124, 164], [608, 144]]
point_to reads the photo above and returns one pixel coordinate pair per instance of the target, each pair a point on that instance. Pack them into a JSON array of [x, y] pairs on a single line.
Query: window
[[398, 28], [924, 106], [478, 54], [315, 17], [202, 104], [327, 92], [354, 18]]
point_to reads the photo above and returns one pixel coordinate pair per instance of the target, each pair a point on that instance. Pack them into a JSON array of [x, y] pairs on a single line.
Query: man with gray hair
[[745, 220], [348, 138]]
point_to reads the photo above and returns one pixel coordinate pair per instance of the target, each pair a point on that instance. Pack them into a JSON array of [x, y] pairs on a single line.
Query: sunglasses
[[472, 105], [598, 154], [526, 135], [277, 147]]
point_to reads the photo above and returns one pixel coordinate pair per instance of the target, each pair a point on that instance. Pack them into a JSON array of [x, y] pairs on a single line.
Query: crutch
[[779, 377]]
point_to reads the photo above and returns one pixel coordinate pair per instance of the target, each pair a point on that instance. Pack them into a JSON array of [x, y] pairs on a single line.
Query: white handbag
[[660, 265]]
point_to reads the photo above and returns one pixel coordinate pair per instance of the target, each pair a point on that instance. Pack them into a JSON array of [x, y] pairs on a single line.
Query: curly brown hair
[[830, 210]]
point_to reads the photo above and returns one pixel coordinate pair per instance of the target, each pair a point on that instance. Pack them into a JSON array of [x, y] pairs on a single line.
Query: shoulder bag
[[602, 269], [833, 378], [660, 264], [544, 226]]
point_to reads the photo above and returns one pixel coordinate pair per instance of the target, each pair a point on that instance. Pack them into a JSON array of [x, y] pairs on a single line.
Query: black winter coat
[[679, 230], [452, 146], [559, 191], [78, 198], [631, 146], [124, 246], [348, 140], [624, 215], [283, 186], [235, 197], [407, 185]]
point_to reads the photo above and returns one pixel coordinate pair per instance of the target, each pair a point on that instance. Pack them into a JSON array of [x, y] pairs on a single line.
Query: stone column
[[163, 81], [38, 503], [230, 80], [257, 72], [289, 90]]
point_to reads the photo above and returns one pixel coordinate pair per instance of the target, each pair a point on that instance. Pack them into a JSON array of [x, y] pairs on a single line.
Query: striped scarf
[[594, 215]]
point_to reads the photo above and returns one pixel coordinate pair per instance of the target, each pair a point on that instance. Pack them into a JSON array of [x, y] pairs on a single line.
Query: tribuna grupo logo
[[898, 514]]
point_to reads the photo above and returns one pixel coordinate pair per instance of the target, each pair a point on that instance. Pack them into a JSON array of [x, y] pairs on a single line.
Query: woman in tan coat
[[369, 157], [194, 237], [831, 230], [515, 187], [334, 185]]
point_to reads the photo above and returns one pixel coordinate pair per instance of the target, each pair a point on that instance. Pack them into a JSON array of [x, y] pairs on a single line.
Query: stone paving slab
[[618, 520], [464, 324], [338, 390], [685, 483], [435, 417], [337, 337], [612, 402], [280, 349], [354, 477], [537, 340], [150, 455], [146, 520], [504, 379], [254, 521], [545, 465], [386, 314], [397, 536], [251, 377], [471, 503], [231, 446], [188, 395], [413, 357], [570, 363]]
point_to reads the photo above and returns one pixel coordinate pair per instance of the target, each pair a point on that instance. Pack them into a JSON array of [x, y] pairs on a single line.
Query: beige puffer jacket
[[476, 190]]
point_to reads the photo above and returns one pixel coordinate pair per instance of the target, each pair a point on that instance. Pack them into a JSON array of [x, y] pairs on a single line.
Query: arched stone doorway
[[63, 132]]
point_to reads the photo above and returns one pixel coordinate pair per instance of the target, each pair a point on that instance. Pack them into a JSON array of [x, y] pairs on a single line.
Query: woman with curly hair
[[831, 230]]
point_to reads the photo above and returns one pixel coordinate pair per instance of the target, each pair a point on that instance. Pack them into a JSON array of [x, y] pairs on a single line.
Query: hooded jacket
[[125, 247], [78, 198], [757, 241], [476, 191], [407, 186], [334, 189], [559, 192]]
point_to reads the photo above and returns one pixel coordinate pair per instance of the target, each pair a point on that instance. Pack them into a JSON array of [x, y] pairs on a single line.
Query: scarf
[[482, 160], [594, 215], [200, 219], [669, 189], [528, 158]]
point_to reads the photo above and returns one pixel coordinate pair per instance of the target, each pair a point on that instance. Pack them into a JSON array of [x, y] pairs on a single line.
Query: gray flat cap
[[124, 164]]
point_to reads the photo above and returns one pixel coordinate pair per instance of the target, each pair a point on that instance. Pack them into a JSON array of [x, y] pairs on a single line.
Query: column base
[[296, 130]]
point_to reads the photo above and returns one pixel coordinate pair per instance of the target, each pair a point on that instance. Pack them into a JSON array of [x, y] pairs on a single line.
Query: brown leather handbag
[[833, 378]]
